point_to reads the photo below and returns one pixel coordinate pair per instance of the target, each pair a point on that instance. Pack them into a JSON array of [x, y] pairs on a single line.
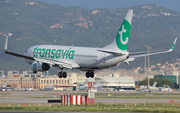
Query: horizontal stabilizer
[[113, 52], [146, 53]]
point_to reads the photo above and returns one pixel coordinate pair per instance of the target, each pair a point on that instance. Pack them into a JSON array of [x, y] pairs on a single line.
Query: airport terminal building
[[40, 80], [111, 83], [36, 81], [173, 78]]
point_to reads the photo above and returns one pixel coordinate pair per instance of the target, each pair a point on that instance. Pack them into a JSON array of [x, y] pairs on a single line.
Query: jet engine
[[40, 66]]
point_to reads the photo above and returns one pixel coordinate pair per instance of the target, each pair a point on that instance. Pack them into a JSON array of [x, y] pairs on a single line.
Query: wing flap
[[61, 63]]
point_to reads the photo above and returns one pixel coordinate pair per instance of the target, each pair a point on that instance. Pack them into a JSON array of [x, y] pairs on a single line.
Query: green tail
[[122, 36]]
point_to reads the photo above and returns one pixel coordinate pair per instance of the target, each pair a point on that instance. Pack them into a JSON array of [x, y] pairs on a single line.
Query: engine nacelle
[[36, 66]]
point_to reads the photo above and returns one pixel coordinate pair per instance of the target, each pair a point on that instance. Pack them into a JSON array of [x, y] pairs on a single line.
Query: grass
[[4, 93], [97, 107]]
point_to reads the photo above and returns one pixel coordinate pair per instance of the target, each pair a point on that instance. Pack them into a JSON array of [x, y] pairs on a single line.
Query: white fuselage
[[87, 58]]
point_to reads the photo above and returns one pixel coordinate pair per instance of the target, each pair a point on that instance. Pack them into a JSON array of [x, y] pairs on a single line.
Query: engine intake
[[36, 66]]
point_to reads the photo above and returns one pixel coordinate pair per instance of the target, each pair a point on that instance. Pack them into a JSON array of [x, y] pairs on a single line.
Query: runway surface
[[34, 97], [104, 100]]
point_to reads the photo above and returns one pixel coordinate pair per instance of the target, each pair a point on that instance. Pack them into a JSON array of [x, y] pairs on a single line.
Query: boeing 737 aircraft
[[4, 85], [148, 88], [42, 57]]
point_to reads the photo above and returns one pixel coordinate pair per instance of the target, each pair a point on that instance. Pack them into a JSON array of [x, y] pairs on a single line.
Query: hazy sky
[[112, 4]]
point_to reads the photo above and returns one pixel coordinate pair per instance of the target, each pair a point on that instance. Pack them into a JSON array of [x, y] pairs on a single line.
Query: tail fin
[[154, 84], [122, 37], [172, 47], [5, 84]]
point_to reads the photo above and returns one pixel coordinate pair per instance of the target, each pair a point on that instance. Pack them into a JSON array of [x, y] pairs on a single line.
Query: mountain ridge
[[47, 23]]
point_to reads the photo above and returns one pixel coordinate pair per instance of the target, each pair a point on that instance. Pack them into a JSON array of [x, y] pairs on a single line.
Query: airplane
[[3, 76], [165, 88], [148, 88], [96, 86], [89, 59], [4, 85]]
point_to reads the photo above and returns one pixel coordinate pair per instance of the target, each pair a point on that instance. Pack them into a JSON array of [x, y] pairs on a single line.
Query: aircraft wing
[[18, 55], [15, 54], [60, 63], [146, 53]]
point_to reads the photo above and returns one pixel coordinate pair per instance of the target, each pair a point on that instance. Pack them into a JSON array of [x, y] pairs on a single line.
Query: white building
[[110, 83], [117, 83]]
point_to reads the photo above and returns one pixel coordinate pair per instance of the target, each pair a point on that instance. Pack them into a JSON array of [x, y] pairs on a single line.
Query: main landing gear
[[34, 72], [90, 74], [62, 74]]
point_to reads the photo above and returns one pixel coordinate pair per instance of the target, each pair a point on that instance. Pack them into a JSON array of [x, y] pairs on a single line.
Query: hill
[[32, 22]]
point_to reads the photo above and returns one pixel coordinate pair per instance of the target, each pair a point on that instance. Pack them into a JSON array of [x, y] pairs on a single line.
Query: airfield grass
[[97, 107], [4, 93]]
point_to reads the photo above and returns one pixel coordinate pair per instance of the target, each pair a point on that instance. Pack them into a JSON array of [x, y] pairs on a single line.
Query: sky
[[113, 4]]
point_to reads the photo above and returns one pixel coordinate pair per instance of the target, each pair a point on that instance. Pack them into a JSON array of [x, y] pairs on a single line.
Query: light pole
[[148, 48], [145, 65]]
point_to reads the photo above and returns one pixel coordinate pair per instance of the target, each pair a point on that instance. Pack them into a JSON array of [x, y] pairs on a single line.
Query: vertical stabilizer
[[122, 38], [6, 43], [154, 84], [5, 84]]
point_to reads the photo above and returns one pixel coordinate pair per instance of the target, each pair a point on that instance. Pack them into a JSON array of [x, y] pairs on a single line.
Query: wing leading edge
[[15, 54]]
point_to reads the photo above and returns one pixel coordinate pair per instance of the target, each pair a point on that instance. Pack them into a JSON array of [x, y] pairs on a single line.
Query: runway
[[97, 100], [35, 97]]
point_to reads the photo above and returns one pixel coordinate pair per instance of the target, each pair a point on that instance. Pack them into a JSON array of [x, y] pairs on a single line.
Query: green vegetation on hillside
[[32, 22]]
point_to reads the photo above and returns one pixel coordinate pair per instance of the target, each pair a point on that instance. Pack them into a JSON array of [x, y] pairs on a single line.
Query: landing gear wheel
[[64, 74], [60, 74], [87, 74], [91, 74]]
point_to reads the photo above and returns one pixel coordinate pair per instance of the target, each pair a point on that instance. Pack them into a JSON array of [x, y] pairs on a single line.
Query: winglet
[[6, 43], [172, 47]]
